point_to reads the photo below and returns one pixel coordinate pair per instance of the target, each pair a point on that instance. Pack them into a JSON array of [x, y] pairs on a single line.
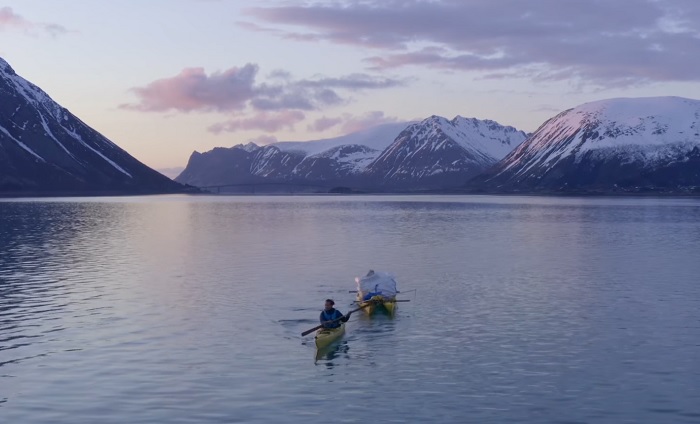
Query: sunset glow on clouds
[[9, 20], [268, 106], [165, 77]]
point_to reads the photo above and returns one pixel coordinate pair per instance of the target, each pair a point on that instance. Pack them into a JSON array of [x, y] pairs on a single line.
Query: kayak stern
[[326, 336]]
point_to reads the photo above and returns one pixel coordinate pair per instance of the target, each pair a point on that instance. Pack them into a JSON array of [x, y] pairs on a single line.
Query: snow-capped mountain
[[441, 153], [627, 144], [324, 163], [239, 165], [337, 164], [45, 149], [435, 153]]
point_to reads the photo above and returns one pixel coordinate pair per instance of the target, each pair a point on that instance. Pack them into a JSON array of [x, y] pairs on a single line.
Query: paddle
[[319, 326], [384, 301]]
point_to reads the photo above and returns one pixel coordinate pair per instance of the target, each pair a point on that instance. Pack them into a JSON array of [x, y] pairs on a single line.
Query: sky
[[163, 78]]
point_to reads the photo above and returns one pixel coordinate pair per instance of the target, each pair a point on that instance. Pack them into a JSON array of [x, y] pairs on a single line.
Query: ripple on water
[[189, 309]]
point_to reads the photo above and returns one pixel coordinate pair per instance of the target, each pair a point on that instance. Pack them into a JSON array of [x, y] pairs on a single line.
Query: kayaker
[[331, 317]]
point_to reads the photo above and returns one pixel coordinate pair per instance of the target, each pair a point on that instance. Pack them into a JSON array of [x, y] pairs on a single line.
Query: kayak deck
[[326, 336]]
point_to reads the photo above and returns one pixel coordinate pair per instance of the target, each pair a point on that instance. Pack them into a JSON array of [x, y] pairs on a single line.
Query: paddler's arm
[[345, 318]]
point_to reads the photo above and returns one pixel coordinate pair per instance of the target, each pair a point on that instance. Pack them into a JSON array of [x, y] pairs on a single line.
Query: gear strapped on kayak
[[377, 290]]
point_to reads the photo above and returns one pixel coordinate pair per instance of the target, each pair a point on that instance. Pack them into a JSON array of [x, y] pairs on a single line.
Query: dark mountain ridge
[[46, 150]]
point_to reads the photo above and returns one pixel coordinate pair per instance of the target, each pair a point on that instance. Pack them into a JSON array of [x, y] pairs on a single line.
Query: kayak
[[377, 291], [326, 336], [377, 303]]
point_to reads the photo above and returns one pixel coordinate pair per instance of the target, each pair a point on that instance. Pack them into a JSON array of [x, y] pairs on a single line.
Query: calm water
[[189, 310]]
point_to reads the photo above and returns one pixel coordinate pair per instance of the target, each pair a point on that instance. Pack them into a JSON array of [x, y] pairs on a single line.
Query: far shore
[[459, 192]]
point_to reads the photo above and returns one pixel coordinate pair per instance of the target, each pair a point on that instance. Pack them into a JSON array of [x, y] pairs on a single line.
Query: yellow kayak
[[326, 336], [377, 291], [377, 303]]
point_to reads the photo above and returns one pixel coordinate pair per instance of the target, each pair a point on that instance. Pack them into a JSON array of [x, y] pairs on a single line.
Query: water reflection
[[327, 354], [365, 331], [189, 309], [48, 284]]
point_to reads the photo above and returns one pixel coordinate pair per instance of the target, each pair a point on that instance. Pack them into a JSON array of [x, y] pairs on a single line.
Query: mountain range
[[616, 145], [45, 149], [435, 153], [624, 145]]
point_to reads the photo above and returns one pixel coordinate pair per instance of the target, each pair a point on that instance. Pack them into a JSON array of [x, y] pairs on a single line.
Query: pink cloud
[[237, 89], [267, 121], [10, 20], [192, 89]]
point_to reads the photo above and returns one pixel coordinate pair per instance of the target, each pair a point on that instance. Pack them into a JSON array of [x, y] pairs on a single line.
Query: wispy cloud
[[367, 120], [266, 121], [271, 105], [236, 88], [324, 123], [9, 20], [350, 123], [599, 42]]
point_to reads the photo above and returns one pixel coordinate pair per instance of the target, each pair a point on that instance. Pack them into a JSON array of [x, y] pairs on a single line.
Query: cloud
[[10, 20], [546, 108], [351, 123], [324, 123], [600, 42], [192, 89], [367, 120], [354, 82], [266, 121], [237, 89], [294, 96]]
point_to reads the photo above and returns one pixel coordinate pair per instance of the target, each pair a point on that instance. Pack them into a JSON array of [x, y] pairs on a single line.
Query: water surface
[[185, 309]]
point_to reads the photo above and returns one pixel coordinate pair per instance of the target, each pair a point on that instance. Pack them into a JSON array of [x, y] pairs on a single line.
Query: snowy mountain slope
[[241, 164], [628, 142], [441, 153], [328, 161], [45, 148], [338, 164], [435, 153], [244, 165]]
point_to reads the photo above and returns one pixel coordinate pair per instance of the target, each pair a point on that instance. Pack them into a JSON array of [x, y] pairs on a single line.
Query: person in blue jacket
[[331, 317]]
